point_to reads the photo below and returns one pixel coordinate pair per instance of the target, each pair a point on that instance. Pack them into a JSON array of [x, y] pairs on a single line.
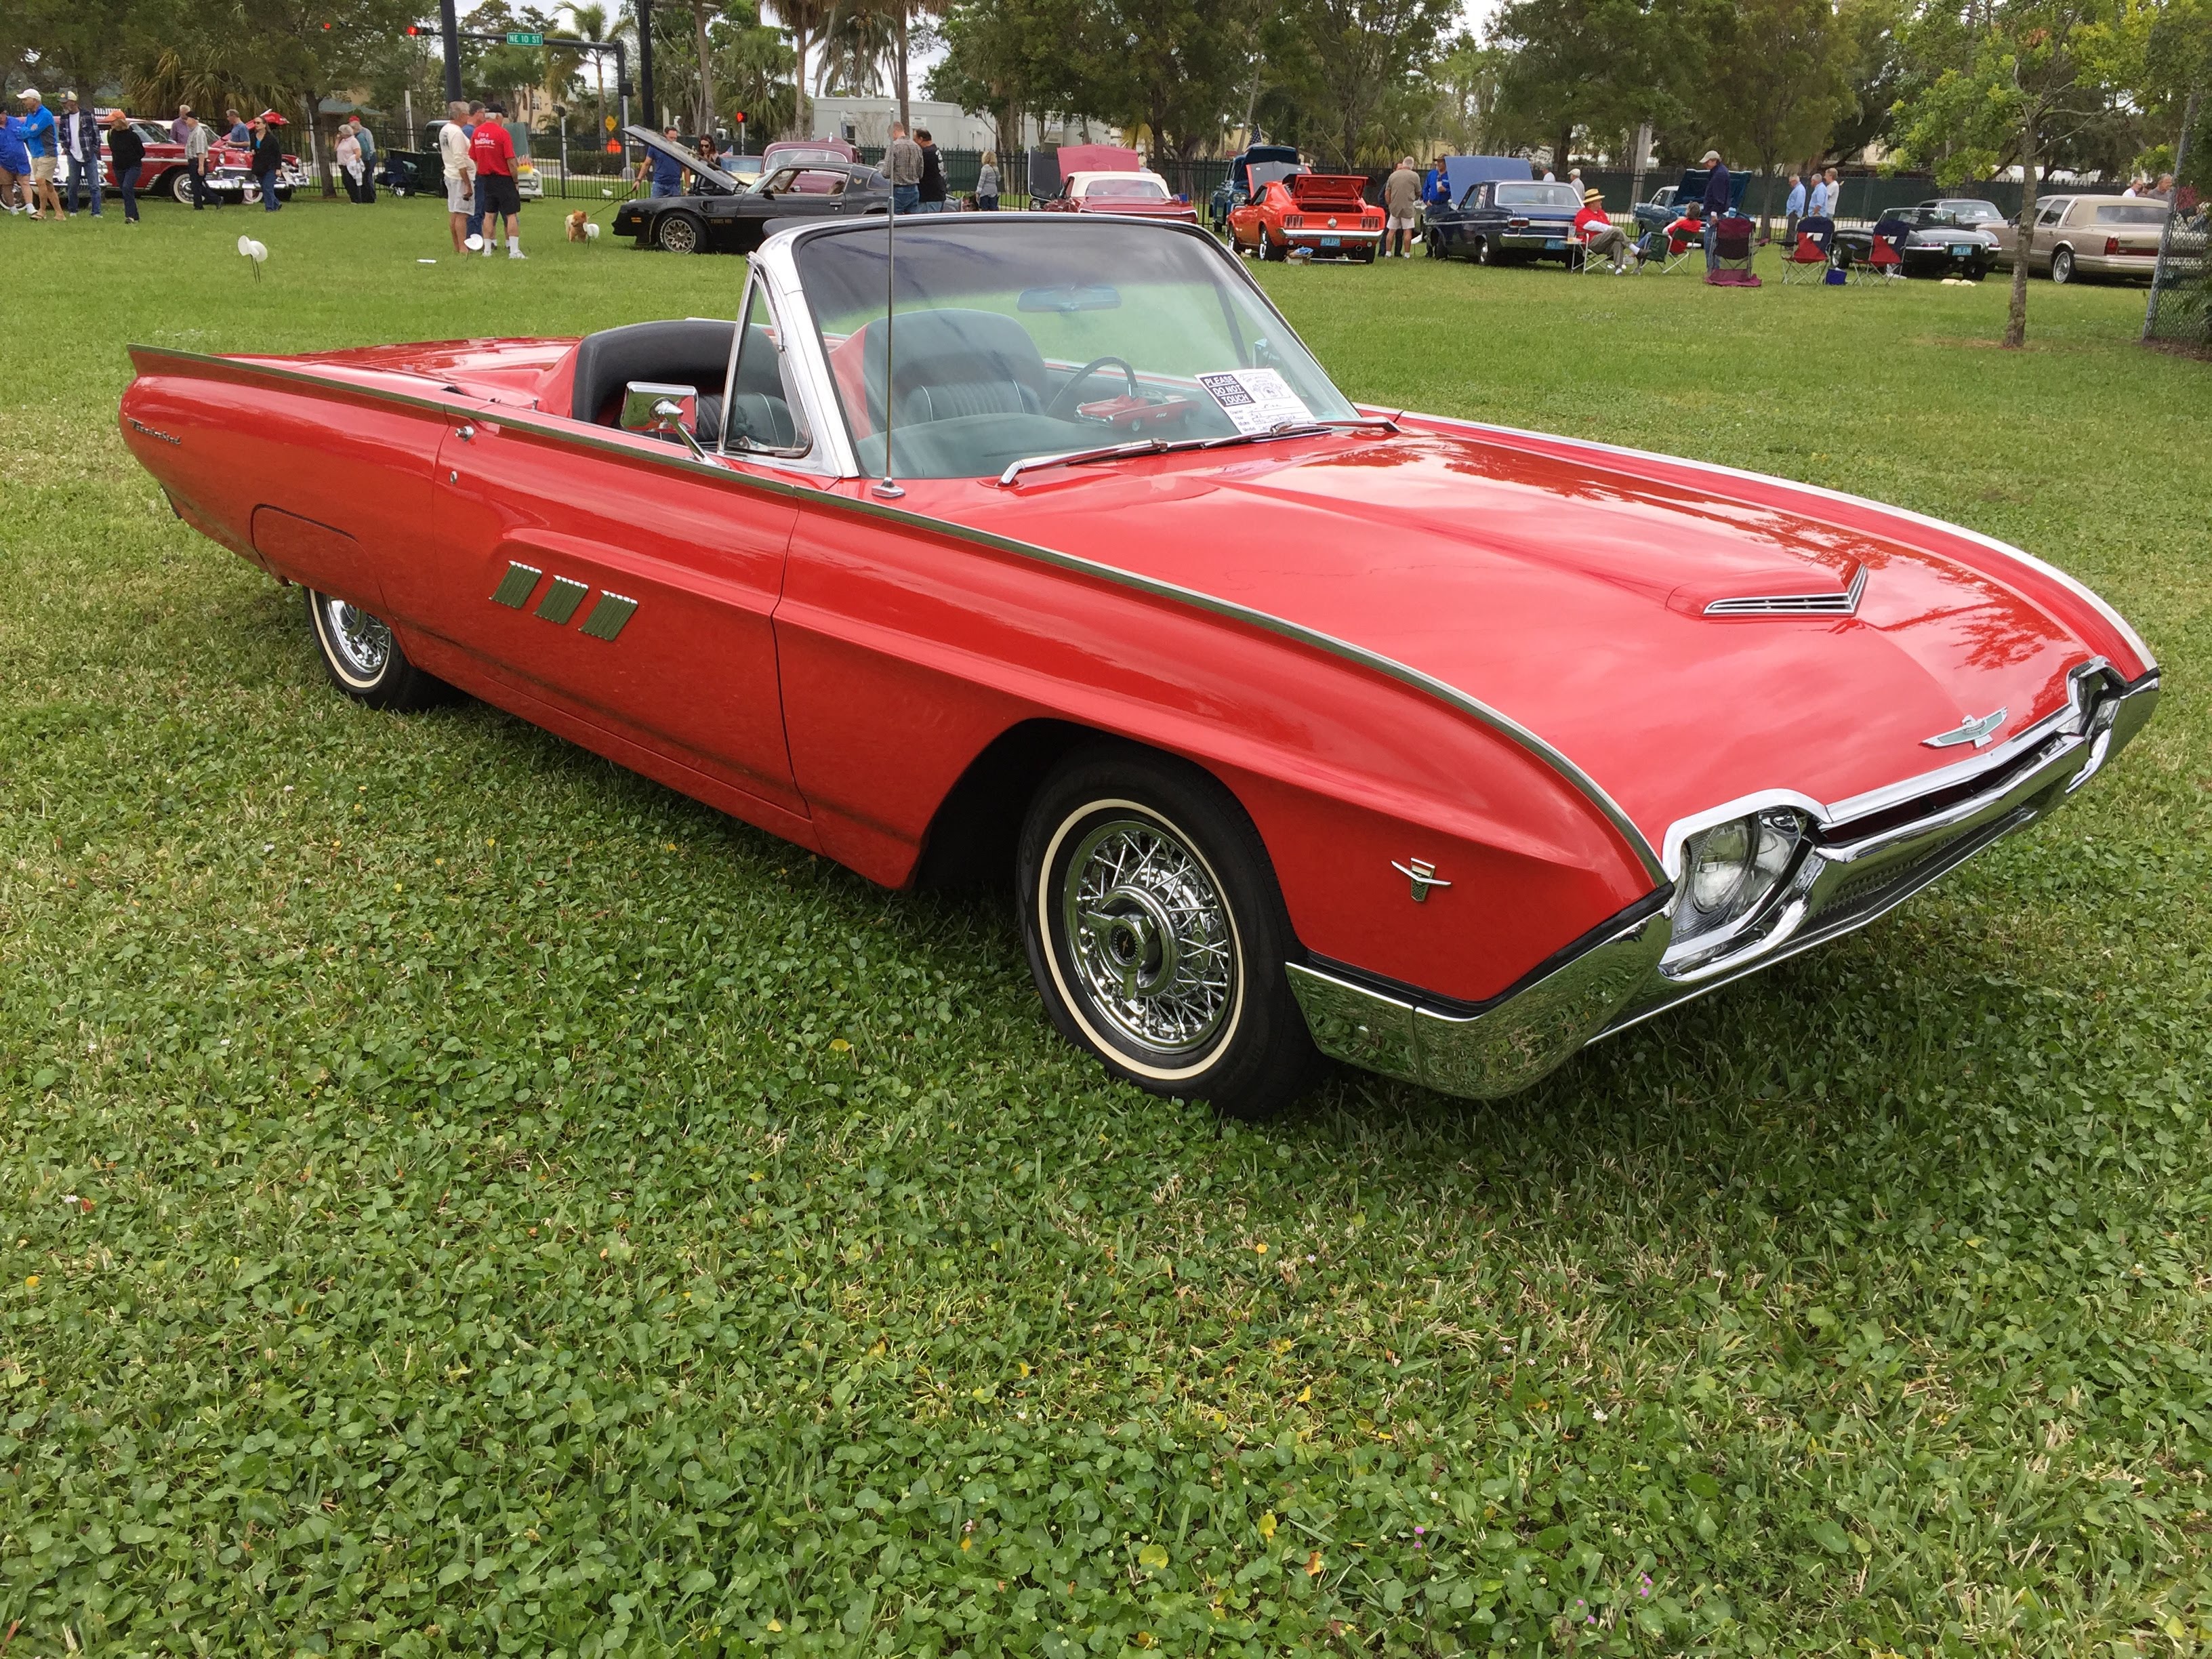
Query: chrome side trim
[[1498, 1051], [2074, 585], [653, 453]]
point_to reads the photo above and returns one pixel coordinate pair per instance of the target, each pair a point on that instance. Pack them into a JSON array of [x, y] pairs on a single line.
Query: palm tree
[[858, 38], [591, 23], [804, 20]]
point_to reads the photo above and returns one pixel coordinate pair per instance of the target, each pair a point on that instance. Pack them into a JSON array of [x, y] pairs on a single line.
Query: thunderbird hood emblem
[[1976, 730]]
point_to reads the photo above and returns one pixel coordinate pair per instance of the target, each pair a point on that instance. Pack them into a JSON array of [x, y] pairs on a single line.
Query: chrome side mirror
[[662, 410]]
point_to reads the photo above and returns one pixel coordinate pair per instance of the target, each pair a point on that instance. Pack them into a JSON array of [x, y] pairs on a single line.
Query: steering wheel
[[1062, 407]]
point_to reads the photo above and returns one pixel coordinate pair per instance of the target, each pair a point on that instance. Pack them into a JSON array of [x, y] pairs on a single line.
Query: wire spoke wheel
[[1148, 936], [361, 643]]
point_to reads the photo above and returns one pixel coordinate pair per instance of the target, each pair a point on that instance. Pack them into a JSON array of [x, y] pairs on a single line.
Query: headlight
[[1730, 870]]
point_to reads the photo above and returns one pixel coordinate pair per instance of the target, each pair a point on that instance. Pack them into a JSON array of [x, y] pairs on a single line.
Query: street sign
[[610, 124], [613, 148], [525, 38]]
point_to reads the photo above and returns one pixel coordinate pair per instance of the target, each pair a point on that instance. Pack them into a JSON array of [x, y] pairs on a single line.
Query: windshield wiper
[[1184, 445]]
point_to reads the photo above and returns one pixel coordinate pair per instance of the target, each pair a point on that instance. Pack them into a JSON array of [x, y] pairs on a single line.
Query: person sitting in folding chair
[[1811, 254], [1731, 253], [1675, 244], [1599, 236]]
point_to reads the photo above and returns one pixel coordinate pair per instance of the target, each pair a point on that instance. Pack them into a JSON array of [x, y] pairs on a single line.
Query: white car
[[1138, 191]]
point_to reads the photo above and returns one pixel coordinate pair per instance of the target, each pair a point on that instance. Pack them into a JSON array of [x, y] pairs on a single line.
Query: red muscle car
[[1325, 214], [1442, 748]]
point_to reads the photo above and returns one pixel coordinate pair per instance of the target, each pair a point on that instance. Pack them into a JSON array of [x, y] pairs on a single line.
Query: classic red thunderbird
[[1443, 748], [1325, 213]]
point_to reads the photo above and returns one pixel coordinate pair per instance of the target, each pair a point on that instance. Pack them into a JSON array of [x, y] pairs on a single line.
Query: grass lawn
[[458, 1197]]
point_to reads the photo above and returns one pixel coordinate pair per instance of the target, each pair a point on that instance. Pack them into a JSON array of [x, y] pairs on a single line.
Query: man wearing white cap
[[39, 142]]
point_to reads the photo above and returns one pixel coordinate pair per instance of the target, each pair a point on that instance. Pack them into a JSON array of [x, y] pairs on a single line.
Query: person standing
[[127, 151], [1793, 210], [902, 161], [460, 172], [987, 183], [1717, 202], [196, 142], [268, 163], [367, 140], [38, 145], [239, 132], [349, 160], [1831, 201], [177, 126], [1401, 194], [930, 190], [492, 148], [79, 136], [14, 164], [667, 171]]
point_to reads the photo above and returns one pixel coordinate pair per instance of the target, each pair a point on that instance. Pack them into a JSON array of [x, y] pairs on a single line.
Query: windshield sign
[[1003, 346]]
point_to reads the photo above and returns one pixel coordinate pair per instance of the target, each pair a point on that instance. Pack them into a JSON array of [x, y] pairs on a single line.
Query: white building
[[867, 122]]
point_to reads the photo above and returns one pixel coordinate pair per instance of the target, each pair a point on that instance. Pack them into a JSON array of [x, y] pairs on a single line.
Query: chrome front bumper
[[1865, 858]]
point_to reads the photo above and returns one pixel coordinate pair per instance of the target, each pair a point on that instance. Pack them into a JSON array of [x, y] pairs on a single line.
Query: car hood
[[1565, 586]]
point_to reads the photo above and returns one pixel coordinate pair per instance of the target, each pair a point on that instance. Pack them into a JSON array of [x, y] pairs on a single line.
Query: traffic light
[[417, 28], [741, 118]]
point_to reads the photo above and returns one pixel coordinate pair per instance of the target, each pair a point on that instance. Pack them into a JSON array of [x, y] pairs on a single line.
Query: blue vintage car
[[1237, 189], [1506, 221], [1668, 201]]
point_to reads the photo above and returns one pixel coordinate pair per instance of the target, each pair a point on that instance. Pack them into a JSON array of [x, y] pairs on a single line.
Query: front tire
[[2062, 265], [680, 233], [364, 659], [1156, 933]]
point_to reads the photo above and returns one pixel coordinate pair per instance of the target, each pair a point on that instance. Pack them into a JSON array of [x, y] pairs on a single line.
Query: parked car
[[1142, 193], [1978, 215], [2097, 236], [1325, 215], [1235, 189], [1936, 244], [1506, 221], [1444, 748], [725, 214], [228, 176]]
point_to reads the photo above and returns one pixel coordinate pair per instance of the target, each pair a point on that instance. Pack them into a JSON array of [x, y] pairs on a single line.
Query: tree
[[592, 23], [1777, 72], [1367, 51], [803, 20], [1874, 65], [1603, 66], [2025, 78], [1464, 88]]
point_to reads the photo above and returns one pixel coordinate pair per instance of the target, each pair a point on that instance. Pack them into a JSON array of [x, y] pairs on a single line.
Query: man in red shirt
[[493, 153], [1600, 235]]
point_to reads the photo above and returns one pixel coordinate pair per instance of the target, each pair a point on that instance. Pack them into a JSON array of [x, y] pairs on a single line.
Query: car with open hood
[[1236, 186], [724, 213], [1502, 222], [1039, 549], [1319, 215]]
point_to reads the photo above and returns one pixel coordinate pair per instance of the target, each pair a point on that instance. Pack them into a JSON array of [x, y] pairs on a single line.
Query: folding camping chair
[[1884, 257], [1809, 260], [1731, 266], [1585, 261], [1661, 251]]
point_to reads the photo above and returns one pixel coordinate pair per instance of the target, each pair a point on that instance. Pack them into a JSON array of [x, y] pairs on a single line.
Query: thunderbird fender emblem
[[1422, 874], [1976, 730]]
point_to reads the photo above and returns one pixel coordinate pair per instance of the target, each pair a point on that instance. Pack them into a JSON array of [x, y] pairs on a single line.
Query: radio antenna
[[887, 486]]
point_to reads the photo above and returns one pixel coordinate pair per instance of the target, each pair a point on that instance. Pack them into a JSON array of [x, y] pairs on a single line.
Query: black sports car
[[725, 214], [1934, 241], [1505, 221]]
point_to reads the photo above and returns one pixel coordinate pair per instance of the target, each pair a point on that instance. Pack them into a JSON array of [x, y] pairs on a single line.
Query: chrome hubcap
[[362, 643], [1149, 936]]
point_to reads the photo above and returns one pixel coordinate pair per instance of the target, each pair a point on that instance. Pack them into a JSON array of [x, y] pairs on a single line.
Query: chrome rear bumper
[[1864, 860]]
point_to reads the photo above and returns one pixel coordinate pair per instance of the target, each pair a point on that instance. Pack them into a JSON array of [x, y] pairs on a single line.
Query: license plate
[[1962, 250], [1331, 241], [1554, 244]]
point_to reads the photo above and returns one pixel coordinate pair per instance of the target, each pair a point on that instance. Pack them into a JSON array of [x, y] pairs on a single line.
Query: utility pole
[[644, 12], [449, 28]]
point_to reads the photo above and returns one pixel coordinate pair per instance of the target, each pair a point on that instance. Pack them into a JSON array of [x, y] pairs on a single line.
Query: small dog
[[581, 229]]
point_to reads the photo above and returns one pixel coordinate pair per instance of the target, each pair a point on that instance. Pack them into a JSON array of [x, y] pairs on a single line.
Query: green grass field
[[458, 1197]]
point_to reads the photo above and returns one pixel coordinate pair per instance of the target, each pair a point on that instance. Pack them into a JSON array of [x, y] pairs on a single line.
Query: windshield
[[1538, 196], [1013, 339], [1127, 190], [2149, 213], [1972, 213]]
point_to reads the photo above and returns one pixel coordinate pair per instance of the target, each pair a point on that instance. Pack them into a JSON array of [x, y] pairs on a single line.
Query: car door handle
[[465, 434]]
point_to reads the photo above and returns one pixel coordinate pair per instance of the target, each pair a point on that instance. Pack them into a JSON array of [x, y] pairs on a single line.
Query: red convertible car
[[1325, 213], [1041, 546], [1135, 192]]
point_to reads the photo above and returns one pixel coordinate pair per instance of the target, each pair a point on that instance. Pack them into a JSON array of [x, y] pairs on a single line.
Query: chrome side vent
[[1845, 604]]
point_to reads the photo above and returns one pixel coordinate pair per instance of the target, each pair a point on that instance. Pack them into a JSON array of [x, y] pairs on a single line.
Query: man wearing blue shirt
[[38, 144], [667, 171], [1793, 210]]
